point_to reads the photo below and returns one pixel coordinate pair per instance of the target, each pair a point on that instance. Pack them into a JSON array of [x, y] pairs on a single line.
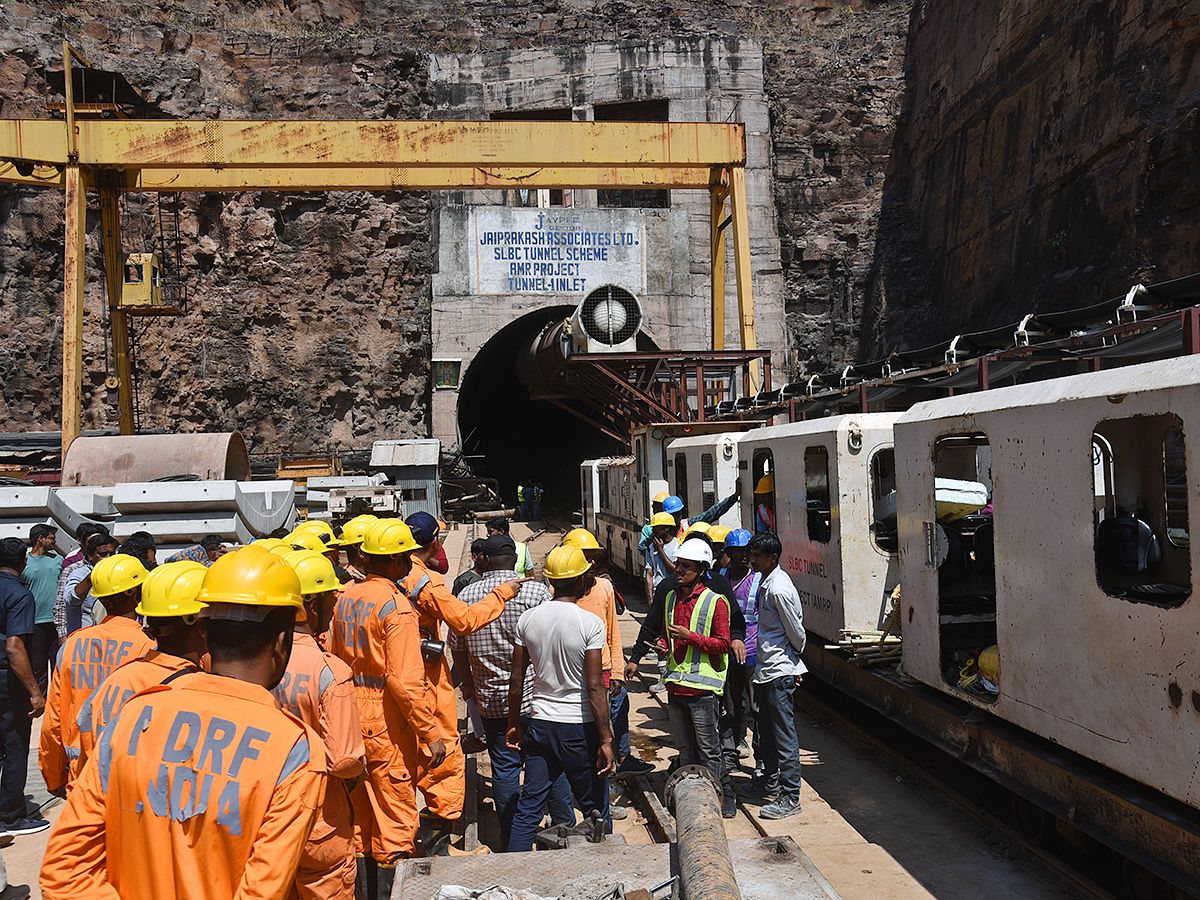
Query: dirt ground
[[871, 829]]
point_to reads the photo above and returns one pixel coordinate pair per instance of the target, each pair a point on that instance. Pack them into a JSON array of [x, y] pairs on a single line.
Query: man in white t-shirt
[[569, 731]]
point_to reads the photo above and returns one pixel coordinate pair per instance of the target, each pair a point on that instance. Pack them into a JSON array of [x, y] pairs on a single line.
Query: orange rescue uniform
[[116, 690], [444, 788], [375, 632], [318, 688], [203, 790], [602, 600], [86, 658]]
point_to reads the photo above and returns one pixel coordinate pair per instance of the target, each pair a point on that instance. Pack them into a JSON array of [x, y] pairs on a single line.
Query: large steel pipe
[[705, 870], [116, 459]]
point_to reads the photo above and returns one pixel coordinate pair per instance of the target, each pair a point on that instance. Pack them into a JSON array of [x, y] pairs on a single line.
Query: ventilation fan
[[607, 321]]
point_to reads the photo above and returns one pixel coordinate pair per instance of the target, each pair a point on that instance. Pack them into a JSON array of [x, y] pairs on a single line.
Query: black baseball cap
[[499, 545]]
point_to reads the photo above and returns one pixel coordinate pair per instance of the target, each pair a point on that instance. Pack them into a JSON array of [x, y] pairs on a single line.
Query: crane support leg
[[114, 259], [717, 194], [741, 255], [73, 279]]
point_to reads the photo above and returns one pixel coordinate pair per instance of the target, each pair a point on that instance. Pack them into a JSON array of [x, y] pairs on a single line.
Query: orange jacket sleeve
[[340, 727], [613, 629], [75, 865], [435, 598], [275, 855], [52, 754], [406, 679]]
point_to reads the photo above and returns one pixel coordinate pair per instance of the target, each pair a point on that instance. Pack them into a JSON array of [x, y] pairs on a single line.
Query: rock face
[[936, 168], [1046, 159]]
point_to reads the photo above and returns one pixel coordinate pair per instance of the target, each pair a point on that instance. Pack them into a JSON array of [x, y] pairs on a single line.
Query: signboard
[[520, 250]]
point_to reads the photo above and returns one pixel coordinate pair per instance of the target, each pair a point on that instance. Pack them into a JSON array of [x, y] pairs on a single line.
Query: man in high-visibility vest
[[318, 688], [696, 629], [86, 658], [499, 525], [203, 788], [443, 787], [171, 611]]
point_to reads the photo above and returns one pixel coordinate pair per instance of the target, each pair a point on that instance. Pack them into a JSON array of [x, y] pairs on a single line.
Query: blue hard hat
[[739, 538], [672, 504], [424, 527]]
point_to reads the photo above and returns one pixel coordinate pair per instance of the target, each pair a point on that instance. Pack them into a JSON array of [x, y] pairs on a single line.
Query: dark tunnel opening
[[509, 436]]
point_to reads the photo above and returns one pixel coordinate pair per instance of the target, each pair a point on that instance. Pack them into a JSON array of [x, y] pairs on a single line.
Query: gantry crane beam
[[295, 155]]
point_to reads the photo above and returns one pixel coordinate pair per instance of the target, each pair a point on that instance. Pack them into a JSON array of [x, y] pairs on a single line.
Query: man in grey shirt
[[776, 675]]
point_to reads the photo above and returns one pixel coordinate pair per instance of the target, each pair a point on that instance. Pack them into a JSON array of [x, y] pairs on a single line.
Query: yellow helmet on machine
[[388, 536], [250, 577], [172, 589], [566, 562], [717, 534], [314, 570], [355, 530], [116, 574], [662, 518], [581, 538], [305, 540], [989, 663]]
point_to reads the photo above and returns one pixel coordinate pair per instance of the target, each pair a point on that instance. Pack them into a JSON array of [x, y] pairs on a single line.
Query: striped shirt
[[490, 649]]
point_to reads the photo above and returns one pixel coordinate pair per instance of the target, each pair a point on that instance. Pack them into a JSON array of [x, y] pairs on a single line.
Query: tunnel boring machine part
[[705, 868]]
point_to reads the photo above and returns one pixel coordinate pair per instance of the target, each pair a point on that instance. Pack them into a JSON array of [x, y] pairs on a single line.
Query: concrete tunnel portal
[[509, 436]]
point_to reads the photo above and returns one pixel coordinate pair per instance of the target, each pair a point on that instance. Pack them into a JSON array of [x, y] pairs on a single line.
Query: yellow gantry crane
[[100, 149]]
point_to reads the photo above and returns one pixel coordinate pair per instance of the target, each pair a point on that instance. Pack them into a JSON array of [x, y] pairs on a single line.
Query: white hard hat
[[696, 550]]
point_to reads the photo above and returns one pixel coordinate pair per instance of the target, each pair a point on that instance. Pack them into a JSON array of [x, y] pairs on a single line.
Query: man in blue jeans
[[483, 660], [569, 732], [776, 676]]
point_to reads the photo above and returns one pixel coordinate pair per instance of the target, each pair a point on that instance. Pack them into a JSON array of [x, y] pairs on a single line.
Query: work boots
[[365, 885], [384, 878], [433, 836]]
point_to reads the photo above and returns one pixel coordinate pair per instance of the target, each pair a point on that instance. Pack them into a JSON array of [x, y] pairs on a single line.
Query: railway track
[[1094, 871]]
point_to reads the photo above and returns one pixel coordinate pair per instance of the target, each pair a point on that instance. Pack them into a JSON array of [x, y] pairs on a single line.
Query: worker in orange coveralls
[[86, 658], [319, 688], [201, 789], [376, 631], [172, 616], [444, 788]]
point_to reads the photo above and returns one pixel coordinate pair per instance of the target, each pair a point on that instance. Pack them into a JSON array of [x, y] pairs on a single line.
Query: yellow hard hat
[[354, 530], [697, 528], [566, 562], [989, 663], [171, 590], [765, 485], [272, 544], [661, 496], [718, 533], [314, 570], [581, 538], [251, 577], [305, 540], [116, 574], [324, 529], [662, 518], [388, 536]]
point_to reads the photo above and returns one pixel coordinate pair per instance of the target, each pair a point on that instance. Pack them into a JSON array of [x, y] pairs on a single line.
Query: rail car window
[[764, 491], [681, 485], [883, 500], [1141, 518], [708, 481], [605, 499], [817, 508], [960, 543]]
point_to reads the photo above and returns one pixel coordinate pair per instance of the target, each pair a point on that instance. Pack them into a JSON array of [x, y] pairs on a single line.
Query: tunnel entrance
[[510, 436]]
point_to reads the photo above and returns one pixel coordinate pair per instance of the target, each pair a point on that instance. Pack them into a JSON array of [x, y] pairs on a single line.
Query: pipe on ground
[[116, 459], [705, 869]]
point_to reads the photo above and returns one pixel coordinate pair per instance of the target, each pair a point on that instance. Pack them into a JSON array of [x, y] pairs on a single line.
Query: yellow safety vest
[[524, 561], [697, 669]]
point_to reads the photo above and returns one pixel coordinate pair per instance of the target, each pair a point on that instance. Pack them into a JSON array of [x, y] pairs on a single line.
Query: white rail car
[[1082, 577], [703, 470], [830, 479]]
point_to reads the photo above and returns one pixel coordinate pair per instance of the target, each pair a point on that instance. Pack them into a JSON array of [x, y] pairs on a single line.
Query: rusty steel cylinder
[[705, 869]]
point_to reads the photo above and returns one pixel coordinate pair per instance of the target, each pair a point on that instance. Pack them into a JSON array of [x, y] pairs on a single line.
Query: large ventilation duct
[[607, 321]]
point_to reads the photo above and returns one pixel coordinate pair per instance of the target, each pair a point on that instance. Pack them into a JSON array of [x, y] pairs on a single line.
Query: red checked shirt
[[714, 644]]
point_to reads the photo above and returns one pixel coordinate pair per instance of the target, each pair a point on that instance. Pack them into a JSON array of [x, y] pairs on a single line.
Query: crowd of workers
[[273, 720]]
